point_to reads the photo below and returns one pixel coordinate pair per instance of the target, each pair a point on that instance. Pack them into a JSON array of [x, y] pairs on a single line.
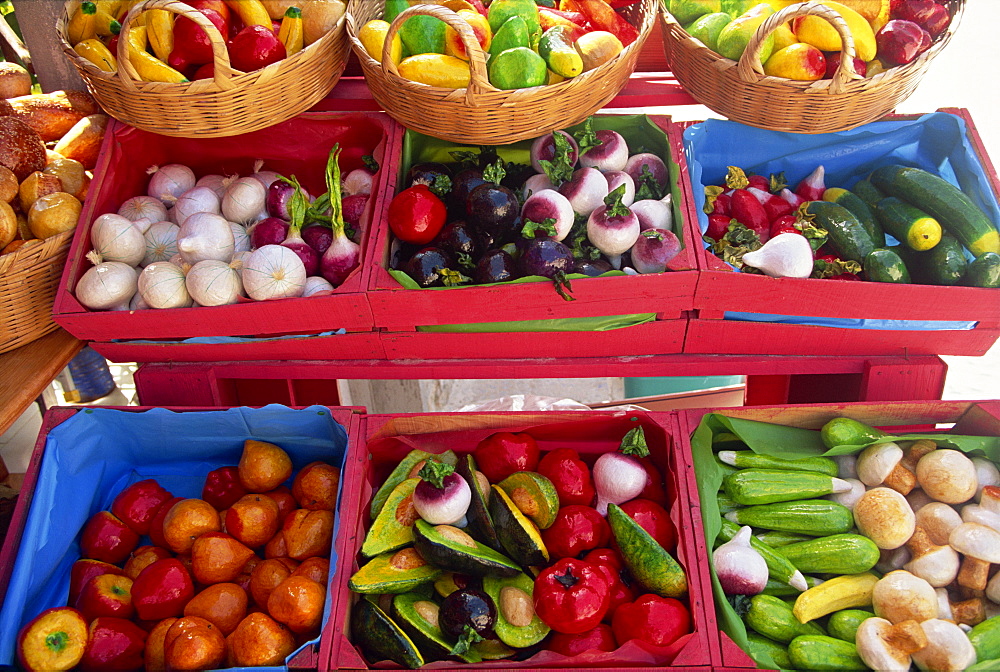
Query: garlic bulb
[[161, 285], [214, 283], [740, 568], [205, 236], [115, 238], [107, 286], [161, 242], [787, 255], [139, 207]]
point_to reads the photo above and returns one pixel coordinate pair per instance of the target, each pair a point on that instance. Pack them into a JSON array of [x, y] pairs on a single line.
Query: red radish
[[536, 183], [653, 250], [343, 255], [619, 476], [354, 209], [652, 214], [760, 182], [784, 224], [774, 206], [270, 231], [813, 186], [549, 204], [652, 163], [277, 199], [616, 178], [793, 198], [613, 228], [586, 190], [721, 204], [718, 225], [442, 496], [318, 236], [611, 154], [544, 149], [358, 181], [748, 211]]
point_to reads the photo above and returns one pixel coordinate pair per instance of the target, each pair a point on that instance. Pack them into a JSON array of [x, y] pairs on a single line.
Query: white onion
[[205, 236], [273, 272], [214, 283], [240, 260], [169, 182], [241, 239], [265, 177], [358, 181], [161, 242], [196, 199], [244, 200], [138, 207], [316, 284], [117, 239], [161, 285], [106, 286], [143, 224], [217, 183], [138, 303], [177, 259]]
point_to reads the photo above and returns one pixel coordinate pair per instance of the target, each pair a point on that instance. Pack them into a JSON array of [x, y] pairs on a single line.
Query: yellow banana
[[291, 32], [252, 12], [160, 30], [82, 25], [97, 53], [149, 67]]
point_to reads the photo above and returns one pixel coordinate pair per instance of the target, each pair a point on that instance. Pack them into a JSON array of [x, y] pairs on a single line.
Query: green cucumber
[[847, 236], [844, 624], [815, 517], [867, 192], [884, 265], [984, 271], [835, 554], [772, 617], [818, 652], [748, 459], [556, 47], [944, 264], [942, 200], [779, 567], [767, 486], [860, 209], [726, 503], [908, 224], [778, 539], [764, 646], [649, 562], [985, 639], [783, 590]]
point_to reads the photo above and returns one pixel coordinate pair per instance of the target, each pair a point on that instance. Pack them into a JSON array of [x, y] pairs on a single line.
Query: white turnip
[[653, 214], [645, 163], [536, 183], [653, 250], [544, 149], [552, 205], [586, 190], [613, 228], [611, 154], [616, 178]]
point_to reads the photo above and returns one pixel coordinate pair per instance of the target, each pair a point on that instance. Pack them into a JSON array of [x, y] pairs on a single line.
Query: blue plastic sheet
[[844, 323], [935, 142], [217, 340], [92, 456]]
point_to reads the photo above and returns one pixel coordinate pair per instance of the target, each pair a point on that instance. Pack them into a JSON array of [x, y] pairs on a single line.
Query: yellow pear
[[734, 38]]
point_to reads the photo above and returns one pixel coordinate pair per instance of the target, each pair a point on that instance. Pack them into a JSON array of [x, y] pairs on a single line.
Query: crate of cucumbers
[[881, 240], [852, 536], [519, 540]]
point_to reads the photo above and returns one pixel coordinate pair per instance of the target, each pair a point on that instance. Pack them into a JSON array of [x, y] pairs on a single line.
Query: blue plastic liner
[[95, 454], [936, 142]]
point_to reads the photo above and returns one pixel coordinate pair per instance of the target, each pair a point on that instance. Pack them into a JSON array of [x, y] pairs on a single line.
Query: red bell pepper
[[416, 215], [656, 620], [749, 212], [571, 596], [655, 490], [601, 16], [610, 561], [223, 487], [600, 638], [503, 453], [570, 475], [577, 528]]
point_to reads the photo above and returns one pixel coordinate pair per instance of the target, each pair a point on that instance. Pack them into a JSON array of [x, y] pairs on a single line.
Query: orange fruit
[[259, 640], [317, 569], [315, 486], [187, 520], [308, 533], [154, 655], [266, 576], [253, 519], [298, 603], [224, 604], [263, 466], [194, 643]]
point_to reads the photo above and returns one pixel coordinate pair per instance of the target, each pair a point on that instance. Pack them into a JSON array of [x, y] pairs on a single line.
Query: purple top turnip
[[549, 205], [611, 154], [586, 190], [652, 214], [544, 149], [653, 250], [536, 183], [615, 179], [297, 205], [613, 228], [654, 167], [442, 496]]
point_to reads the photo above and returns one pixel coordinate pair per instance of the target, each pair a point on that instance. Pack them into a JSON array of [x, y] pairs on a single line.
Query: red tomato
[[416, 215], [610, 562], [659, 621], [571, 596], [500, 455], [600, 638], [654, 519], [577, 529], [570, 475]]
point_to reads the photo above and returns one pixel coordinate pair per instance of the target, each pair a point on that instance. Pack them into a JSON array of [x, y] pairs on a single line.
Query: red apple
[[106, 595], [928, 14], [53, 640], [114, 645], [833, 62], [156, 525], [222, 487], [162, 589], [83, 571], [105, 537], [138, 503], [899, 41], [143, 557]]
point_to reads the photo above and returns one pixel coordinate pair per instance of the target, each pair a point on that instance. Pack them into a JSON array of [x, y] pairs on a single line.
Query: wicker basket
[[480, 113], [233, 102], [29, 278], [741, 92]]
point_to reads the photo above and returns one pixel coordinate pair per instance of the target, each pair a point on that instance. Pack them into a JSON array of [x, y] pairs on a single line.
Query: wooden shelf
[[31, 368]]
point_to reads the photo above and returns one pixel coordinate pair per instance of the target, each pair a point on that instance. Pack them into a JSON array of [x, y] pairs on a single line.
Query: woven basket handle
[[749, 62], [224, 71], [479, 83]]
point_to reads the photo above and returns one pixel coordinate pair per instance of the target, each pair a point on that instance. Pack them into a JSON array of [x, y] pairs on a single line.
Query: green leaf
[[824, 268], [736, 178], [634, 443], [435, 471], [440, 186], [614, 202], [370, 163], [332, 176], [562, 286], [560, 168], [777, 182], [547, 226], [805, 223], [467, 158], [494, 172], [648, 187], [711, 194], [586, 138], [737, 241], [452, 278], [465, 260], [298, 204]]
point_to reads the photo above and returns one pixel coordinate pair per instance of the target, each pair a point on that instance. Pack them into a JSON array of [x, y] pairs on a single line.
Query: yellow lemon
[[372, 38], [822, 35]]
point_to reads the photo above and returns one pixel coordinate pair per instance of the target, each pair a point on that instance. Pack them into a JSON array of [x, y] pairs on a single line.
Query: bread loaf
[[83, 142], [53, 114], [21, 149]]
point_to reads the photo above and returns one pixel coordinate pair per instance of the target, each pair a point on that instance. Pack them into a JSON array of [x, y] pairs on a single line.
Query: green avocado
[[452, 549], [650, 563], [394, 573], [418, 617], [480, 524], [393, 528], [513, 627], [403, 471], [534, 495], [519, 536], [380, 638]]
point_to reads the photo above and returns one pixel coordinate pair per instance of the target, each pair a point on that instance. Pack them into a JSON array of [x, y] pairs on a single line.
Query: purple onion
[[308, 255], [317, 236], [270, 231], [340, 259], [278, 195]]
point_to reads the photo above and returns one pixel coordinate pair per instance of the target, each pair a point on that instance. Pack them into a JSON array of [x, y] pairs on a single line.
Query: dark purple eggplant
[[591, 267], [462, 185], [457, 237], [495, 266], [467, 615], [493, 209], [548, 258], [433, 267], [400, 252], [426, 173]]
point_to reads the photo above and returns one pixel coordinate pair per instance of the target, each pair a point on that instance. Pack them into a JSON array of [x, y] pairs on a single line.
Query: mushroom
[[977, 513], [938, 565], [986, 474], [993, 589], [850, 497], [948, 647], [885, 517], [989, 499], [938, 520], [880, 465], [900, 596], [918, 499], [948, 476], [887, 647], [992, 609], [973, 576], [915, 451], [966, 612], [976, 541], [890, 560], [847, 466]]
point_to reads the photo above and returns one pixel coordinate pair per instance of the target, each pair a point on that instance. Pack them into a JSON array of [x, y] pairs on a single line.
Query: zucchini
[[844, 624], [760, 646], [779, 539], [835, 554], [779, 567], [556, 47], [867, 192], [984, 271], [767, 486], [773, 618], [942, 200], [945, 264], [985, 638], [908, 224], [847, 237], [748, 459], [779, 589], [860, 209], [817, 652], [815, 517], [884, 265]]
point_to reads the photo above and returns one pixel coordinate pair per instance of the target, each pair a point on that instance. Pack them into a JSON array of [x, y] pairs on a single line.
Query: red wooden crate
[[969, 417], [669, 294], [590, 433], [721, 289], [299, 146], [348, 417]]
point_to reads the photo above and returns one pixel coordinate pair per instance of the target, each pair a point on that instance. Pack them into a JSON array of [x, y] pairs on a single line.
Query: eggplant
[[426, 265], [465, 609], [426, 173], [545, 257], [495, 266], [400, 253], [457, 237], [461, 186], [494, 210], [591, 267]]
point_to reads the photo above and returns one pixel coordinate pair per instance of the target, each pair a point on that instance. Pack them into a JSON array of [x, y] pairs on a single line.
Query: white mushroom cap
[[938, 565], [993, 589], [880, 464], [884, 516], [986, 474], [939, 520], [918, 499], [900, 596], [887, 647], [976, 541], [850, 497], [948, 647], [948, 476], [976, 513]]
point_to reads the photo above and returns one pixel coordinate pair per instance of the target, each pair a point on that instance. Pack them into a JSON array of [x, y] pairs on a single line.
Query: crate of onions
[[239, 242]]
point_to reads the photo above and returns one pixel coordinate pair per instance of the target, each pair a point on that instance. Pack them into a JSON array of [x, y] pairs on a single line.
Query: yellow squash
[[149, 67], [160, 31], [439, 70], [252, 12], [291, 33], [97, 53], [841, 592]]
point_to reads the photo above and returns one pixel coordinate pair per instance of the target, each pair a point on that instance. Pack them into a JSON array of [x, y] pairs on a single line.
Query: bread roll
[[83, 141], [21, 149]]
